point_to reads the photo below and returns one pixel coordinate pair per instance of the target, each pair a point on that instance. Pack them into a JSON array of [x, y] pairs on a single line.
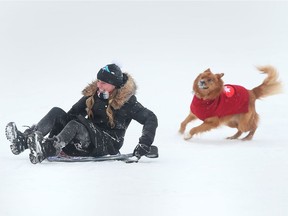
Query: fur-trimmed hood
[[123, 95]]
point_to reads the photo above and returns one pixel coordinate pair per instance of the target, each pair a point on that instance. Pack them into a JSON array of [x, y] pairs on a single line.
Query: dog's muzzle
[[202, 85]]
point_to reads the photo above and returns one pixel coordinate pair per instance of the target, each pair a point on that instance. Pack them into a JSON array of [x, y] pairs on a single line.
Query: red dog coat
[[233, 100]]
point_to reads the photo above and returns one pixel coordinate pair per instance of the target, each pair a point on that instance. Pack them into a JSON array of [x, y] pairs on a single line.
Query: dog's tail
[[271, 85]]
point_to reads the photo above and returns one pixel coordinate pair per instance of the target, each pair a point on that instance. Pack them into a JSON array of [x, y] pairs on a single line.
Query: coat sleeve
[[145, 117], [78, 108]]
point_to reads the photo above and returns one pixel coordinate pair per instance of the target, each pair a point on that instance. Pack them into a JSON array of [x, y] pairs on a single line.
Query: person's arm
[[78, 108], [150, 123]]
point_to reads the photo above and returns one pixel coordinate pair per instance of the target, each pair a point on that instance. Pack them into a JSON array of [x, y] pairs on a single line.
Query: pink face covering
[[103, 95]]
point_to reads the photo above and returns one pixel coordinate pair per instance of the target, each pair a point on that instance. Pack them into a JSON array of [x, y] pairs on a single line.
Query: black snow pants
[[76, 134]]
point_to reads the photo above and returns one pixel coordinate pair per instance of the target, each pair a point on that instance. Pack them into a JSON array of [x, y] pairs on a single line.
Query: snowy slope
[[51, 50]]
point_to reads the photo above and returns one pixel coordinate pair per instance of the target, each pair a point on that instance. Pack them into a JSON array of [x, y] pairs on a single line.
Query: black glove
[[140, 150]]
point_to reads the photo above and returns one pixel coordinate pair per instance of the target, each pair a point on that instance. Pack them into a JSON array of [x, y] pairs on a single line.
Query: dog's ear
[[207, 70], [219, 75]]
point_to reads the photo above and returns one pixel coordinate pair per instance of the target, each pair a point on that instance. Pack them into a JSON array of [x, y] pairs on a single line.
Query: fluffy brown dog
[[216, 104]]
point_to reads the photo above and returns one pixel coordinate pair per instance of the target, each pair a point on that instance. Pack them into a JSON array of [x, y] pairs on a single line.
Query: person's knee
[[57, 111], [74, 124]]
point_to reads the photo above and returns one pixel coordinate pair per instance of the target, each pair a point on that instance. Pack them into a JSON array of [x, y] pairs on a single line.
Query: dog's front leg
[[207, 125], [188, 119]]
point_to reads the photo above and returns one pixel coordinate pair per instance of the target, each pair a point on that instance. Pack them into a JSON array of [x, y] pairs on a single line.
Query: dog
[[232, 105]]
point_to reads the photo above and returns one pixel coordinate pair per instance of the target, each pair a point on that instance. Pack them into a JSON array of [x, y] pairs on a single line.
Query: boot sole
[[11, 135], [35, 148], [11, 132]]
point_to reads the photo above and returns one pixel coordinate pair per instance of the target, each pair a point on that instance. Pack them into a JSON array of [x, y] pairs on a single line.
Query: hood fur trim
[[123, 94]]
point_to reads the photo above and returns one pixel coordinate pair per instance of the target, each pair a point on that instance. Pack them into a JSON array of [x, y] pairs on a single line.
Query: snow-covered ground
[[49, 51]]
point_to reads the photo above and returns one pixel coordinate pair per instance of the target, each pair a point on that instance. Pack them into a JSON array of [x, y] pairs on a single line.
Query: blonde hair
[[109, 112]]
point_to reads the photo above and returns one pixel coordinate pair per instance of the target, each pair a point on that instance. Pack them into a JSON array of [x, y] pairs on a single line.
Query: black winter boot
[[40, 148], [18, 139]]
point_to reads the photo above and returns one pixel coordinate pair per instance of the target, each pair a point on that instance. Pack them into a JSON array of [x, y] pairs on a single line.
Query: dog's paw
[[187, 136], [181, 131]]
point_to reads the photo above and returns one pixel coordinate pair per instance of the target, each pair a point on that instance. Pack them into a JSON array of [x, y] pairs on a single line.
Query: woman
[[94, 126]]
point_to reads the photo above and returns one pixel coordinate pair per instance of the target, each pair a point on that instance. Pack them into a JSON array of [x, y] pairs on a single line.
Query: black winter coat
[[125, 108]]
